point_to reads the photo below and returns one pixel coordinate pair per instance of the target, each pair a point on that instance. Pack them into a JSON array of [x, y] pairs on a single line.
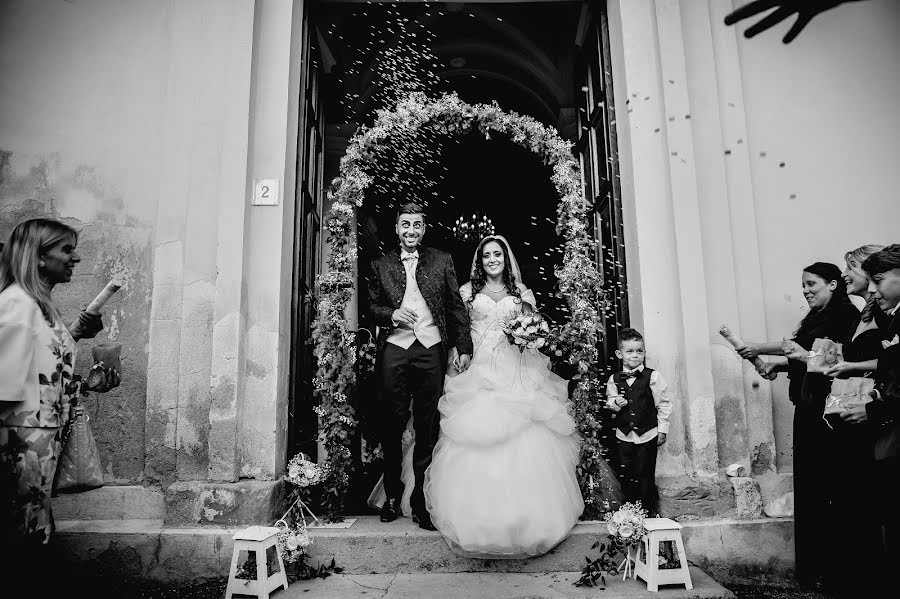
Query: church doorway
[[545, 60]]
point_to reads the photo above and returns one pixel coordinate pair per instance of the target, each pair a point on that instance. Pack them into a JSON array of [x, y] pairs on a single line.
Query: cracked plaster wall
[[79, 142]]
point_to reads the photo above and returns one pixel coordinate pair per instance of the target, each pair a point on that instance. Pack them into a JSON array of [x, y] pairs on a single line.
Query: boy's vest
[[639, 414]]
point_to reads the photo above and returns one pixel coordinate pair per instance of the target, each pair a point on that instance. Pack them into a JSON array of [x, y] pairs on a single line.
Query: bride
[[502, 479]]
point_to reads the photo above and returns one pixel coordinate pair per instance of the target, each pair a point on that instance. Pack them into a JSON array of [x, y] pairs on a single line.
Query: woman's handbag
[[79, 466]]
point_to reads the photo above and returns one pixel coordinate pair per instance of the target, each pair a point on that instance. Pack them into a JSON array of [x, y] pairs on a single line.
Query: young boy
[[640, 398]]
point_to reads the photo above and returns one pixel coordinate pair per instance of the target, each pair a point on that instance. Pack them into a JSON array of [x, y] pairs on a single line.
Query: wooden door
[[302, 421], [596, 147]]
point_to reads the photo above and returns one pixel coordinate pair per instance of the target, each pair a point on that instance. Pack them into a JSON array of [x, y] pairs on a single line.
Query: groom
[[414, 299]]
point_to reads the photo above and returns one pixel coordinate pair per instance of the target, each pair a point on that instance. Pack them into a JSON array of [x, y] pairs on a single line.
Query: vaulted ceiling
[[519, 54]]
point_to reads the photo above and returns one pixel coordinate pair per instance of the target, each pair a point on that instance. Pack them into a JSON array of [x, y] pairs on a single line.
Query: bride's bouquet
[[527, 331]]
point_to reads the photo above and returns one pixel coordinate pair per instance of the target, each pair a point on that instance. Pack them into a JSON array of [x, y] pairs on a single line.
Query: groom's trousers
[[410, 376]]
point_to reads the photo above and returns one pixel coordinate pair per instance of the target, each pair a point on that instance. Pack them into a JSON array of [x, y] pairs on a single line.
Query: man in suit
[[414, 299]]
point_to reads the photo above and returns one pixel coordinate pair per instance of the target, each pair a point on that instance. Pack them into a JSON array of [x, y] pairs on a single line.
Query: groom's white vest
[[426, 331]]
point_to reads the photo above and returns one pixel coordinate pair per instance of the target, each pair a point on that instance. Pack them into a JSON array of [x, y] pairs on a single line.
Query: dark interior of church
[[517, 55], [523, 56]]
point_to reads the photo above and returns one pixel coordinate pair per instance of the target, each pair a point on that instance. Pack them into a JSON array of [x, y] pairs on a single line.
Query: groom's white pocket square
[[886, 344]]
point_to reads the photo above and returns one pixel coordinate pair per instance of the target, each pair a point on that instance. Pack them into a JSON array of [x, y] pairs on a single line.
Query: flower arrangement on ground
[[527, 331], [627, 523], [294, 538], [293, 541], [626, 529]]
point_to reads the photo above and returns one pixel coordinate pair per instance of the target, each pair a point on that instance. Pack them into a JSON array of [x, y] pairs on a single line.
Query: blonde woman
[[37, 354]]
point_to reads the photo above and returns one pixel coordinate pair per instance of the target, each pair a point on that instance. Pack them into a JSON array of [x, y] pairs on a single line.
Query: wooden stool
[[256, 541], [658, 530]]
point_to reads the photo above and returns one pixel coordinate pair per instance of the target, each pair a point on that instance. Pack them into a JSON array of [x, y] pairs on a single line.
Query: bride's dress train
[[502, 477]]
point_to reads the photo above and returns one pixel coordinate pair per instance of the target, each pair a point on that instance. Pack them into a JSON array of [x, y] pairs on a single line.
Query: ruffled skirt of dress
[[502, 479]]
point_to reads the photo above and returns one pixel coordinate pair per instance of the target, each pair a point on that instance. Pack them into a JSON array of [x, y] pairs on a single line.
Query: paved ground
[[494, 586], [468, 585], [451, 585]]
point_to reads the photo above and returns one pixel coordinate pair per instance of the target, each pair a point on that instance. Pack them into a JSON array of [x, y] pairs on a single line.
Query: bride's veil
[[513, 264]]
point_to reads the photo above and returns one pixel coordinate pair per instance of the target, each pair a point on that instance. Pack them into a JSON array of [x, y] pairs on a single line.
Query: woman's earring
[[41, 264]]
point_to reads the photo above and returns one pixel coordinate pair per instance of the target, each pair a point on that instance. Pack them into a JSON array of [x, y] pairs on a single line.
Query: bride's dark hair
[[479, 278]]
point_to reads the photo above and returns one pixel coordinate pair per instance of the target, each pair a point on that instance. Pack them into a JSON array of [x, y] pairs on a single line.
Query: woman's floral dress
[[36, 388]]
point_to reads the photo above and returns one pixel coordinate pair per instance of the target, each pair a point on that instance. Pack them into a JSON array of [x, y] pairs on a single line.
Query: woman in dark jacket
[[883, 412], [831, 316], [851, 445]]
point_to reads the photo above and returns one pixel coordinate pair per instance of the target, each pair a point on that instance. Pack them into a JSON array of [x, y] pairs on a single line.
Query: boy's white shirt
[[661, 398]]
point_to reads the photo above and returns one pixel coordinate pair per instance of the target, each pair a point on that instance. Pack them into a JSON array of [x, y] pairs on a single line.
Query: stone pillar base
[[687, 498], [198, 503]]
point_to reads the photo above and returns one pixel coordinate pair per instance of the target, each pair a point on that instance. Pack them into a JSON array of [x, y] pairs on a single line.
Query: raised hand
[[794, 351], [805, 9], [86, 326], [749, 351], [770, 371]]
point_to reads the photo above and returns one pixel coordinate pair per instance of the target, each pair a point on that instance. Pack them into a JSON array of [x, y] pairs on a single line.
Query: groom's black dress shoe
[[390, 510], [424, 521]]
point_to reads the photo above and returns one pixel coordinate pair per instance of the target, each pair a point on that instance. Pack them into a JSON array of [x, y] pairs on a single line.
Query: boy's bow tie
[[629, 373]]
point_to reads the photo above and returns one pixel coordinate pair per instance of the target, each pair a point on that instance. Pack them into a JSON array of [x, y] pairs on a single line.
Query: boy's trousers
[[638, 462]]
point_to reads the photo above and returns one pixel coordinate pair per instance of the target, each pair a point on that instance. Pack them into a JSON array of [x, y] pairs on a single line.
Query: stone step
[[727, 549], [499, 585], [111, 503]]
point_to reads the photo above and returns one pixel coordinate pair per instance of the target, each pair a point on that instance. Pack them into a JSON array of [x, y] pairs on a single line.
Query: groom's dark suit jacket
[[436, 278]]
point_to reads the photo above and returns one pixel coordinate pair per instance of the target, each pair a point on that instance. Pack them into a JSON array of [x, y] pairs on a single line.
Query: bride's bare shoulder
[[465, 290]]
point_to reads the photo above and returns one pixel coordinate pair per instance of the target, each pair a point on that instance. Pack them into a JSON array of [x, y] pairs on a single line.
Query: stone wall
[[79, 118]]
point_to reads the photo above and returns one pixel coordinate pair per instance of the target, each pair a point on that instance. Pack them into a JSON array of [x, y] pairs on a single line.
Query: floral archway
[[579, 283]]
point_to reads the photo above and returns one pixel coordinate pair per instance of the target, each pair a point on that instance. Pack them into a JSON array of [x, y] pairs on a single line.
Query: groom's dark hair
[[410, 208]]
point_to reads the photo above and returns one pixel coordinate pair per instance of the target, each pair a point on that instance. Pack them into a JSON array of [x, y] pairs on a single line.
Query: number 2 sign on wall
[[265, 192]]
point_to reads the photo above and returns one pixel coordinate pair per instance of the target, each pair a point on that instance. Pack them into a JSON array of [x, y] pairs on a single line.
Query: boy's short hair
[[410, 208], [629, 334], [883, 261]]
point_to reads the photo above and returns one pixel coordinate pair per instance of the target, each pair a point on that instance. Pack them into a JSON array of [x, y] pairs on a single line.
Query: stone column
[[201, 146], [663, 217], [269, 237], [689, 211], [217, 390]]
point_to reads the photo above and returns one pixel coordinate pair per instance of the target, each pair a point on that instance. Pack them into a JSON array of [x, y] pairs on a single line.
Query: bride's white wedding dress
[[502, 479]]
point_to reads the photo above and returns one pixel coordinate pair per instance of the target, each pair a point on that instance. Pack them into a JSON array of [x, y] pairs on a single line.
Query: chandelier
[[473, 229]]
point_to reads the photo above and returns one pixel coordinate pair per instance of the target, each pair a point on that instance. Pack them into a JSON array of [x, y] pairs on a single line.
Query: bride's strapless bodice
[[487, 318]]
